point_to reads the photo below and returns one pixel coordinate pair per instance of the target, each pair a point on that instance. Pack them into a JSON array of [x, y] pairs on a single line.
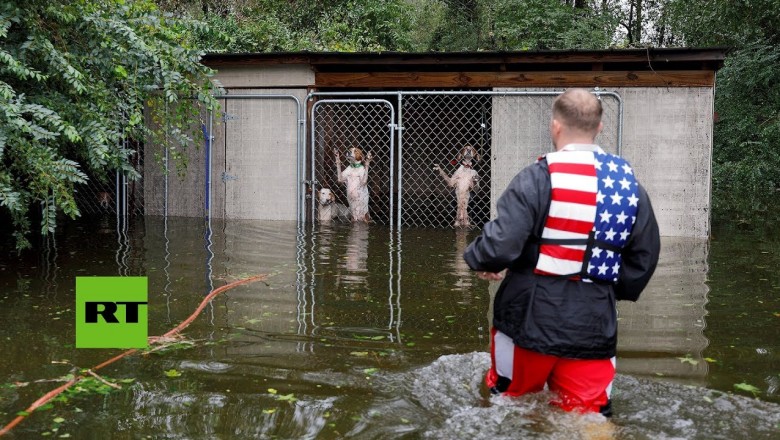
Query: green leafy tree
[[76, 79], [472, 25], [746, 154], [552, 24], [293, 25], [746, 157]]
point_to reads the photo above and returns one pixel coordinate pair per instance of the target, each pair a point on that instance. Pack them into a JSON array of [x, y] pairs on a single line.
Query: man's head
[[576, 118]]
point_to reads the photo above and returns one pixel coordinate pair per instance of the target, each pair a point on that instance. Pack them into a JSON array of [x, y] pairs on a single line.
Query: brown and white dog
[[329, 209], [464, 179], [355, 176], [104, 199]]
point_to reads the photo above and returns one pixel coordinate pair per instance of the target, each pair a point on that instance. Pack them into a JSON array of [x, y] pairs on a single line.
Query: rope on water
[[152, 340]]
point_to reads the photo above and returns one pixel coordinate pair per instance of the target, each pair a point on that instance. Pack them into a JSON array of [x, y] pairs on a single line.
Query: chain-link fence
[[438, 158], [447, 155], [338, 127], [114, 193]]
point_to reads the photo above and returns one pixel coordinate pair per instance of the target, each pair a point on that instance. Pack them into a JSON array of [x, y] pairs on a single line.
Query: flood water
[[361, 332]]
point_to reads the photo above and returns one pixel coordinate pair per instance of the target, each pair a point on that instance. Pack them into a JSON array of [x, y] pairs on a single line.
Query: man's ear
[[555, 128], [598, 130]]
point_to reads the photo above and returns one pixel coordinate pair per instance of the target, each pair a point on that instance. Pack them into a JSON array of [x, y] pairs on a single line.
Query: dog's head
[[326, 196], [467, 155], [355, 155]]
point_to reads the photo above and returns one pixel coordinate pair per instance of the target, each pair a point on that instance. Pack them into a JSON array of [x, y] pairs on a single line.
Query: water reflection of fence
[[335, 282]]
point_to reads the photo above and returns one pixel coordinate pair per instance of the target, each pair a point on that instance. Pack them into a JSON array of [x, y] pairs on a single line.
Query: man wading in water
[[575, 232]]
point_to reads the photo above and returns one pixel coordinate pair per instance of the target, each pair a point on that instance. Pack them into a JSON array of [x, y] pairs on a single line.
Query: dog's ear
[[332, 197], [475, 154]]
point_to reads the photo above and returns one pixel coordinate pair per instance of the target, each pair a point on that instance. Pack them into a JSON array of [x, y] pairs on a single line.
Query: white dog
[[355, 176], [329, 209], [464, 179]]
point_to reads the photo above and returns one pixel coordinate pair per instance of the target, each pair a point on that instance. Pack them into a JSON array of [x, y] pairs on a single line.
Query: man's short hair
[[578, 109]]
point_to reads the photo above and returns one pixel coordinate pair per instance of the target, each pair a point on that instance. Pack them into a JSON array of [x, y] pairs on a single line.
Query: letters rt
[[111, 312]]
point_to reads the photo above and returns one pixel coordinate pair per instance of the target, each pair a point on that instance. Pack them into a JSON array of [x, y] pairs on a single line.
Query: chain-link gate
[[455, 149], [341, 125], [446, 160]]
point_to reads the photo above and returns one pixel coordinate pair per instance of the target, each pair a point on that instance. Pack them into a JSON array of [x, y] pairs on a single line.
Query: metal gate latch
[[226, 177]]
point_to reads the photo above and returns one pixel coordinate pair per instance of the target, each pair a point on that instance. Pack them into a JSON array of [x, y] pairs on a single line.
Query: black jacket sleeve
[[503, 239], [640, 256]]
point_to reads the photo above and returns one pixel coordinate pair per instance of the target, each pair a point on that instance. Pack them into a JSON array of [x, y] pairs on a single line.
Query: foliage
[[76, 78], [746, 156], [329, 25], [550, 24], [746, 159]]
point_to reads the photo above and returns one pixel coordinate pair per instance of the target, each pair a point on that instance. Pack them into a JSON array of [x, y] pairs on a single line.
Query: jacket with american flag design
[[556, 315]]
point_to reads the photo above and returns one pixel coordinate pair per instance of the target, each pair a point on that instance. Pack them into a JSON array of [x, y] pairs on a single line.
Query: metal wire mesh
[[106, 193], [437, 128], [507, 129], [364, 124]]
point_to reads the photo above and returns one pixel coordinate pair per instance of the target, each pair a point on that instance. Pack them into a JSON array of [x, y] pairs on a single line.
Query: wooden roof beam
[[663, 78]]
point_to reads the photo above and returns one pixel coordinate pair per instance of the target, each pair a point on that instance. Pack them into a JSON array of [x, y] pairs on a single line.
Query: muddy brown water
[[362, 332]]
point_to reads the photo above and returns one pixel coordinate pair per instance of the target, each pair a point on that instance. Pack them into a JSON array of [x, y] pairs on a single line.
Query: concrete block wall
[[667, 137]]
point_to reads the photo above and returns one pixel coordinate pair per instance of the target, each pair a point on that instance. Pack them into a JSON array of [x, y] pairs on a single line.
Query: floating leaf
[[269, 411], [747, 387], [287, 398], [711, 360], [707, 399], [272, 390], [370, 371], [172, 373], [58, 420], [688, 360], [359, 353]]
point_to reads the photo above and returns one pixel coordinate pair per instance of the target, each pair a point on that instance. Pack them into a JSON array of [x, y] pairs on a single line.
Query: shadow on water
[[361, 332]]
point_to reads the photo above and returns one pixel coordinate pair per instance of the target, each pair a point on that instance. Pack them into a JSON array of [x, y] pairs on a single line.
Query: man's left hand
[[491, 276]]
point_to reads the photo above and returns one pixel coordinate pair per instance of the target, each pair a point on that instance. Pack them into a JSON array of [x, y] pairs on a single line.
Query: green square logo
[[111, 312]]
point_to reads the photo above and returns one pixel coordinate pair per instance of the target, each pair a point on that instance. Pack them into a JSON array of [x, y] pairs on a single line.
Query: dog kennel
[[270, 147]]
